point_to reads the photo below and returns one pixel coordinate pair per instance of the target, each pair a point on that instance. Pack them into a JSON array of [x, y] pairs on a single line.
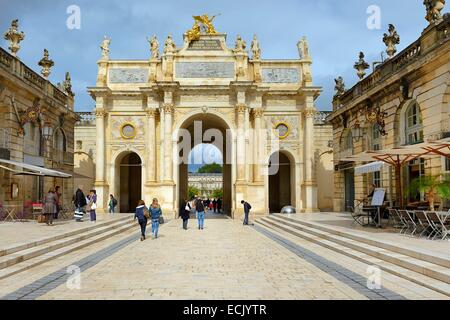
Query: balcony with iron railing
[[5, 140]]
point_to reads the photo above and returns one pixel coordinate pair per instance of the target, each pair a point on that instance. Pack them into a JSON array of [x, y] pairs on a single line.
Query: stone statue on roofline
[[256, 50], [170, 46], [303, 49], [434, 8], [154, 47], [105, 48], [340, 86], [240, 45]]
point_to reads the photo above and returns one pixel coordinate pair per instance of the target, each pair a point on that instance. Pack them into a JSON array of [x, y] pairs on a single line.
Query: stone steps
[[23, 260], [23, 246], [424, 273]]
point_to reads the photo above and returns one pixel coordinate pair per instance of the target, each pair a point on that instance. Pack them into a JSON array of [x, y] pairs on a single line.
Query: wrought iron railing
[[86, 118]]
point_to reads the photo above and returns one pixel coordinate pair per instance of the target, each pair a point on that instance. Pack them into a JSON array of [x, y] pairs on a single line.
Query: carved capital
[[168, 108], [241, 108], [100, 113], [310, 113], [151, 113], [258, 113]]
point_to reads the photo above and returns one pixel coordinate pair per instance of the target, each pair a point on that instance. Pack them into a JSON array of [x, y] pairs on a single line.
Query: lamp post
[[357, 133], [47, 134]]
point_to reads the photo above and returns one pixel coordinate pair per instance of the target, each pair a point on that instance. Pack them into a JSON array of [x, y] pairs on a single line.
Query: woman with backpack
[[92, 205], [155, 213], [142, 214], [185, 212], [112, 204]]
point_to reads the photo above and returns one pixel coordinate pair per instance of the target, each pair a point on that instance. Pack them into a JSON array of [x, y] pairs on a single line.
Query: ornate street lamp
[[357, 132], [47, 131]]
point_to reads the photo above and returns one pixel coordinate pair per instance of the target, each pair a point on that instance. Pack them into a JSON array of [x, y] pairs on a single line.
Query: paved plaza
[[224, 261]]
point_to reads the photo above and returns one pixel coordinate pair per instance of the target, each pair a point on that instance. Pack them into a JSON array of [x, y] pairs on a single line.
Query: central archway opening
[[206, 168], [280, 169], [130, 182]]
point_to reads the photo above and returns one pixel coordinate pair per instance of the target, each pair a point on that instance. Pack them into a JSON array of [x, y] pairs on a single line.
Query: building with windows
[[404, 101], [36, 130], [207, 183]]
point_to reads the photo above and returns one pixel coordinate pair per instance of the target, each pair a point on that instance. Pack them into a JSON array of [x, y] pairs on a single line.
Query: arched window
[[347, 141], [32, 139], [414, 124], [59, 142], [375, 138]]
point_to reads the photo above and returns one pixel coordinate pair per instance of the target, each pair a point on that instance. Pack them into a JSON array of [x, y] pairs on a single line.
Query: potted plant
[[431, 186]]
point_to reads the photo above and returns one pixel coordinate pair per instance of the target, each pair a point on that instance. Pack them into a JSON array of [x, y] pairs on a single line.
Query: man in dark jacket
[[247, 208], [185, 212], [200, 208]]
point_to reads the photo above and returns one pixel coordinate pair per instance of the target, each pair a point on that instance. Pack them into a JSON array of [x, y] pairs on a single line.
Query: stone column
[[161, 143], [241, 109], [151, 152], [309, 183], [258, 113], [168, 154], [100, 183]]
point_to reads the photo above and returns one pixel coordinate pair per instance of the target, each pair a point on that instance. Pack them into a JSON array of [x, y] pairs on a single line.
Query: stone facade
[[28, 102], [405, 100], [206, 182], [206, 81]]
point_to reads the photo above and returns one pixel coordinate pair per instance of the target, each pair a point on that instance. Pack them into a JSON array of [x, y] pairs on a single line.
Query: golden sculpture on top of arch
[[202, 24]]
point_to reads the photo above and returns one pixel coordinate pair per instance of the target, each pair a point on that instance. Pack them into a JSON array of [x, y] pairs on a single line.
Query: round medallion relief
[[283, 130], [128, 131]]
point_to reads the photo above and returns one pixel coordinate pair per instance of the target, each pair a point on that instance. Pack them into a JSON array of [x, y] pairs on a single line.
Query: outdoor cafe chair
[[441, 228], [397, 220], [423, 222], [408, 220]]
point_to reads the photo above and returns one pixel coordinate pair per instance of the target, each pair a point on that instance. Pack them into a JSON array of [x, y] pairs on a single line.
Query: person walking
[[92, 205], [219, 205], [58, 195], [142, 215], [79, 201], [200, 208], [112, 204], [247, 208], [155, 213], [215, 205], [185, 213], [50, 206]]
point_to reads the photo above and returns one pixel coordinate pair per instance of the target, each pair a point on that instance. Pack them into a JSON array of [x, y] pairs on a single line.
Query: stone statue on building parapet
[[434, 8], [361, 66], [154, 47], [303, 49], [14, 37], [46, 63], [240, 46], [169, 47], [256, 49], [340, 86], [105, 48], [390, 40]]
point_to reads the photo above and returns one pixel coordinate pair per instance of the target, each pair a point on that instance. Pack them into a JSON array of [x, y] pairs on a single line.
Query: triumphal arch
[[205, 91]]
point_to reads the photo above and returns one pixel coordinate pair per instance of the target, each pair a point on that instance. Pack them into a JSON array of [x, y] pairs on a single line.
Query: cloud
[[336, 31]]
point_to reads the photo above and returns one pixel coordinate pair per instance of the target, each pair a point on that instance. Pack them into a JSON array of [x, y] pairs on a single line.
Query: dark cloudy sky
[[337, 31]]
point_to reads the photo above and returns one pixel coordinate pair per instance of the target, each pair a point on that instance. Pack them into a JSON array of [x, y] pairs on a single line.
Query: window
[[347, 141], [377, 179], [414, 124], [376, 138], [447, 165]]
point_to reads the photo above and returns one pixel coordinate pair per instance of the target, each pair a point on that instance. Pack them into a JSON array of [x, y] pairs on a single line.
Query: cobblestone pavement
[[224, 261]]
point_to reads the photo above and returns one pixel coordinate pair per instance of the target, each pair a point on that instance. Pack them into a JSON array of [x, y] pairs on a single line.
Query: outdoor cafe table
[[10, 211]]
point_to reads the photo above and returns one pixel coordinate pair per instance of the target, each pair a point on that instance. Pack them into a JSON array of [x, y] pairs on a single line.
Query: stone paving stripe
[[52, 281], [333, 269]]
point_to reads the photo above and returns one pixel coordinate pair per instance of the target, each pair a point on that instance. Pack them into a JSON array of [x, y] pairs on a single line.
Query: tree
[[211, 168], [431, 186], [218, 193], [193, 191]]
